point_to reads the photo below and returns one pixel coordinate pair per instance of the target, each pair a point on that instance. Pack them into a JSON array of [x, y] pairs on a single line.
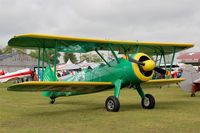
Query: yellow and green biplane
[[134, 69]]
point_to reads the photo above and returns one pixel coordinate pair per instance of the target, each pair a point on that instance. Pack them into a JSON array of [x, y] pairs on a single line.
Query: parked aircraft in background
[[18, 76], [2, 72], [131, 71]]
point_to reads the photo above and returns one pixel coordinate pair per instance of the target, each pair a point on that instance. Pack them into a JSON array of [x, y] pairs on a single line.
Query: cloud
[[153, 20]]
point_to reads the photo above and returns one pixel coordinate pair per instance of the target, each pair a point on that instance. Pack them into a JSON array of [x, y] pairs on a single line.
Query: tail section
[[49, 76]]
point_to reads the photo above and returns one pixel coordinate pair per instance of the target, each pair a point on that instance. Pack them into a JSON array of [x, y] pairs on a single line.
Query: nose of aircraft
[[149, 65]]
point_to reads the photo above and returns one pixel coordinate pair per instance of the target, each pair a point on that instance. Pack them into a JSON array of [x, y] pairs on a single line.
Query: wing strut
[[38, 62], [164, 59], [113, 52], [55, 59], [137, 49], [43, 49], [102, 57], [172, 61]]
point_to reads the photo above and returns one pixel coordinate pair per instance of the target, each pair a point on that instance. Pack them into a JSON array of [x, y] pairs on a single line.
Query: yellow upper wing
[[81, 45]]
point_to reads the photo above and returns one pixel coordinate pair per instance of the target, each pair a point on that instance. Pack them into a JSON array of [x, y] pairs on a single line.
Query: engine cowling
[[145, 70]]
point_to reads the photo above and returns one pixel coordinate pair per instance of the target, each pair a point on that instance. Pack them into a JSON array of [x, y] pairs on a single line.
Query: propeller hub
[[149, 65]]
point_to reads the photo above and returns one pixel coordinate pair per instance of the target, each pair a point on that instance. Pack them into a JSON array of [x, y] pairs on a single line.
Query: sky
[[142, 20]]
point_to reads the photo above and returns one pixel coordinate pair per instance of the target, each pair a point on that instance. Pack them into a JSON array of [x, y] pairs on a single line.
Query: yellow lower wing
[[84, 87], [161, 82]]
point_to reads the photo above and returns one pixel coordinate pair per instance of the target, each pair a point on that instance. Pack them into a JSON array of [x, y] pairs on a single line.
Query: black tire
[[192, 95], [52, 101], [17, 81], [112, 104], [148, 102]]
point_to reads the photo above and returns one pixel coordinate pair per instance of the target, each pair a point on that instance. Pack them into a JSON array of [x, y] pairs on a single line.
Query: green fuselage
[[122, 70], [104, 73]]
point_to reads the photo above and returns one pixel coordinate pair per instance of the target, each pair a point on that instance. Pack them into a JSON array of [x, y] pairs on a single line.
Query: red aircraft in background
[[18, 76], [2, 72]]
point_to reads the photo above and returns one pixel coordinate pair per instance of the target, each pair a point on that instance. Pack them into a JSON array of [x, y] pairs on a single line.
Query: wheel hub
[[110, 105], [146, 101]]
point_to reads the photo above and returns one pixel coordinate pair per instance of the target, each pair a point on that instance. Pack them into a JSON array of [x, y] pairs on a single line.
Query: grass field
[[175, 112]]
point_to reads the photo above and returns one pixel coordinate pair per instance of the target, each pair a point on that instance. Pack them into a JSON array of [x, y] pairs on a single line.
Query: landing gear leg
[[148, 101], [53, 99], [112, 103], [195, 88]]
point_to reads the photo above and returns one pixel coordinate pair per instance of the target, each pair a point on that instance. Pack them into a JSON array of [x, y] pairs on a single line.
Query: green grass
[[175, 112]]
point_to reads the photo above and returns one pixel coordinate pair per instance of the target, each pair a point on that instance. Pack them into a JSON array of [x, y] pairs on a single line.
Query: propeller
[[162, 71], [148, 65], [135, 61]]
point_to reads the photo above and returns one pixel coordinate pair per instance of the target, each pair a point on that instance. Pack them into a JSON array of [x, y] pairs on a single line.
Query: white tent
[[68, 66]]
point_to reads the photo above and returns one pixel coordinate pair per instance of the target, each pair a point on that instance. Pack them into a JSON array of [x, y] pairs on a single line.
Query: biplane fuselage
[[121, 73], [124, 70]]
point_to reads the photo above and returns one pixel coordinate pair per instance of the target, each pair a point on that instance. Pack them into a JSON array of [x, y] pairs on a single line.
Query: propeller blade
[[160, 70], [135, 61]]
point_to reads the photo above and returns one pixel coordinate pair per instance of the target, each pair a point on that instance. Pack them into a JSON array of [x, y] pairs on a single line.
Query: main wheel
[[148, 102], [112, 104]]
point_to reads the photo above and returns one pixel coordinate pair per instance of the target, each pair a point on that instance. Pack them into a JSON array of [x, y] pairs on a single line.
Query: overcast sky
[[143, 20]]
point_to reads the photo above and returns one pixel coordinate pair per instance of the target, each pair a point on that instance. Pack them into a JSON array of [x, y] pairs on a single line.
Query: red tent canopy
[[189, 56]]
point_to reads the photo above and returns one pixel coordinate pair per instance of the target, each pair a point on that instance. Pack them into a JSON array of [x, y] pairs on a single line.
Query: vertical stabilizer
[[49, 74]]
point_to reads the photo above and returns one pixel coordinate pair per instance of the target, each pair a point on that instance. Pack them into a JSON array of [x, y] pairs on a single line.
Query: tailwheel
[[112, 104], [192, 95], [53, 99], [148, 102]]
